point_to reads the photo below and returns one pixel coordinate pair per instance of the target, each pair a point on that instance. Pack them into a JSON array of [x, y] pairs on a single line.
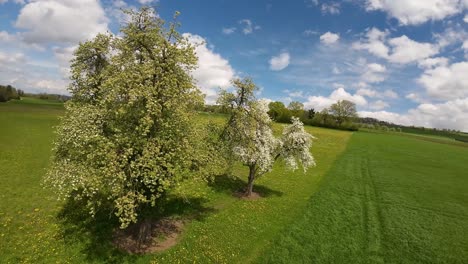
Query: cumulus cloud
[[418, 12], [374, 43], [374, 73], [64, 21], [322, 102], [406, 50], [446, 82], [329, 38], [278, 63], [430, 63], [401, 50], [213, 70]]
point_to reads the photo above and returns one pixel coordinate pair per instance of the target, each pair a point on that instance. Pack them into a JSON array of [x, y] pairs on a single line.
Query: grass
[[388, 199], [36, 228], [372, 198]]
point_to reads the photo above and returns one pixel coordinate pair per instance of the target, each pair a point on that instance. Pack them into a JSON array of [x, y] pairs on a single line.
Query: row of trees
[[8, 93], [341, 115], [128, 135]]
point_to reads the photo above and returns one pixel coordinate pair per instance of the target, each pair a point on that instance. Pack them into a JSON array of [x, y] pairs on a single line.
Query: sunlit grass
[[225, 230], [388, 199]]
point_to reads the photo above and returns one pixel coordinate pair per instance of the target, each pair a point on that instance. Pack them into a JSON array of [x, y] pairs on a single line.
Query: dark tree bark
[[250, 183]]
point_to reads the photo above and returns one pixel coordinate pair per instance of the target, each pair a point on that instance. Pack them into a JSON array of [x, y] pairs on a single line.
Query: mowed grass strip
[[33, 228], [388, 199]]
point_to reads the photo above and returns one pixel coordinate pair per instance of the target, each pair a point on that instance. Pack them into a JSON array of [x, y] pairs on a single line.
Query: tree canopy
[[343, 111], [250, 138], [127, 135]]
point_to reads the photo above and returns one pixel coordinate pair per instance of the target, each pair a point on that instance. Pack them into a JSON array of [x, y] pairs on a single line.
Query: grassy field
[[388, 199], [35, 227], [372, 198]]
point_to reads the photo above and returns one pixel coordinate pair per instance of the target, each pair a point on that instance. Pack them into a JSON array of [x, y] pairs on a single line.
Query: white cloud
[[295, 94], [7, 37], [329, 38], [228, 31], [433, 62], [446, 82], [145, 2], [11, 58], [389, 94], [374, 43], [374, 73], [451, 36], [418, 11], [406, 50], [465, 19], [451, 114], [249, 27], [331, 8], [414, 97], [401, 50], [66, 21], [213, 70], [278, 63], [311, 3], [51, 86], [465, 46], [367, 92], [63, 57], [321, 102], [335, 69], [386, 116], [378, 105]]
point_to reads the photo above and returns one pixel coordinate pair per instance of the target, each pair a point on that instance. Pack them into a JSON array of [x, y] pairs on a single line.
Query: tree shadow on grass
[[233, 185], [96, 234]]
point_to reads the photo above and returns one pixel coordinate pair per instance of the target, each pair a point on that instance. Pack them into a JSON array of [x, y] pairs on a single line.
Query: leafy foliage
[[343, 111], [8, 92], [127, 136], [250, 138]]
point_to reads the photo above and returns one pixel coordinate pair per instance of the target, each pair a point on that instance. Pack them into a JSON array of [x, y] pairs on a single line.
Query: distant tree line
[[341, 115], [375, 124], [47, 96], [8, 93]]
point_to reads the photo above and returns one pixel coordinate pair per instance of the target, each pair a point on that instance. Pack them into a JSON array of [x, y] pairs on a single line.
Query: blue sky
[[401, 61]]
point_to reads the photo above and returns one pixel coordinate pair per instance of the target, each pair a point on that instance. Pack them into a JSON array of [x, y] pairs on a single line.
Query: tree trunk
[[250, 183], [144, 233]]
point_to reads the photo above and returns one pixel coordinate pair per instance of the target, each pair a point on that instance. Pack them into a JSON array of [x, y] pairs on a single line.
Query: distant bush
[[8, 93]]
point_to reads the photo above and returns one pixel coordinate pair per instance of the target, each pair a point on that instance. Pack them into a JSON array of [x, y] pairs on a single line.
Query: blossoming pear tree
[[127, 135], [250, 138]]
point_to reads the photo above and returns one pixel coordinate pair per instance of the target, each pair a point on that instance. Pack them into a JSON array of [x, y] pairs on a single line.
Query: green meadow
[[372, 198]]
